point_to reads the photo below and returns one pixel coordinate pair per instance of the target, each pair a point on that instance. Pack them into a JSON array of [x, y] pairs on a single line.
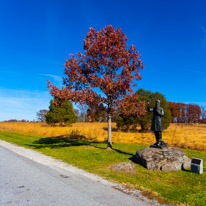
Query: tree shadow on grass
[[70, 141], [122, 152], [59, 142]]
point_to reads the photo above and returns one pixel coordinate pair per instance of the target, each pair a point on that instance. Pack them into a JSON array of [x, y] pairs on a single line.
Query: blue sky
[[37, 36]]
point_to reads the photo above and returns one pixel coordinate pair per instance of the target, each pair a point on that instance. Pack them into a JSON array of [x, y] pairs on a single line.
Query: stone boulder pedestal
[[166, 159]]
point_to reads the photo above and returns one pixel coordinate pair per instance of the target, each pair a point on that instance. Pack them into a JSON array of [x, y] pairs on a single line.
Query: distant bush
[[62, 114]]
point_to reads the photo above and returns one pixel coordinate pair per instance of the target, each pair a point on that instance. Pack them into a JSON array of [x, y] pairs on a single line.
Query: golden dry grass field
[[188, 136]]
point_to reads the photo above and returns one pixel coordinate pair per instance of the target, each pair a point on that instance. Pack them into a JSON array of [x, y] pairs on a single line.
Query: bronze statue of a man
[[158, 113]]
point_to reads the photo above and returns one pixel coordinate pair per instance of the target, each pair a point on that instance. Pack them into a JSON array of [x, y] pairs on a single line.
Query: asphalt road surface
[[25, 182]]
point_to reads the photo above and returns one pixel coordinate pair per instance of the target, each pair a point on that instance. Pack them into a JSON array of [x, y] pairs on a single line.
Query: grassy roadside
[[169, 187]]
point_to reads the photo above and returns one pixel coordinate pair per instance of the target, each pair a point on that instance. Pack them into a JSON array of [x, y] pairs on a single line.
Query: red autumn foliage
[[131, 105], [193, 113], [185, 113], [177, 111], [106, 65]]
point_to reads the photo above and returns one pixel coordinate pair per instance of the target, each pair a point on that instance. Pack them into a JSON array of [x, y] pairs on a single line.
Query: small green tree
[[145, 121], [126, 123], [130, 122], [61, 114]]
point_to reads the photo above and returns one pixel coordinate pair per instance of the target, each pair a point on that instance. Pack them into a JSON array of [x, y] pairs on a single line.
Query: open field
[[181, 188], [188, 136]]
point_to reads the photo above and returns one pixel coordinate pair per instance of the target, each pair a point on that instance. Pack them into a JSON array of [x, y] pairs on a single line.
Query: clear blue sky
[[37, 36]]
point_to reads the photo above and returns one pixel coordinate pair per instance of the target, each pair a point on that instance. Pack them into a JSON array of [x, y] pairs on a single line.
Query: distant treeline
[[180, 113], [187, 113], [15, 120]]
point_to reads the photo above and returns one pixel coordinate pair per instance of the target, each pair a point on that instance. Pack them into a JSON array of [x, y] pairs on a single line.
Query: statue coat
[[158, 113]]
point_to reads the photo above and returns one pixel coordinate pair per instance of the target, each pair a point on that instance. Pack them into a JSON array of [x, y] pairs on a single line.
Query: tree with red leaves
[[178, 112], [130, 110], [185, 113], [106, 66], [193, 113]]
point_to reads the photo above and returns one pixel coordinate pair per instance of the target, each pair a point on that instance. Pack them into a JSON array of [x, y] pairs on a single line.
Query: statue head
[[158, 103]]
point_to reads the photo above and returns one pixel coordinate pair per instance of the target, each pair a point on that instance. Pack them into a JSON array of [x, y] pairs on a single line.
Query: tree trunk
[[109, 142], [109, 117]]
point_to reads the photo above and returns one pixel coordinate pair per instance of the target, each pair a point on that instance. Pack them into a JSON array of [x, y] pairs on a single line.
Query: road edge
[[58, 164]]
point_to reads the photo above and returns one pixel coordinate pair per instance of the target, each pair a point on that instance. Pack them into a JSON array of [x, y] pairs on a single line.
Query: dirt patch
[[125, 167]]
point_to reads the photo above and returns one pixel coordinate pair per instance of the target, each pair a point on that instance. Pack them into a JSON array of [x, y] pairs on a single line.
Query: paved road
[[24, 182]]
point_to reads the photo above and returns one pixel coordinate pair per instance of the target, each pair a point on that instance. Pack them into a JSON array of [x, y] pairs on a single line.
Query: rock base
[[166, 159]]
